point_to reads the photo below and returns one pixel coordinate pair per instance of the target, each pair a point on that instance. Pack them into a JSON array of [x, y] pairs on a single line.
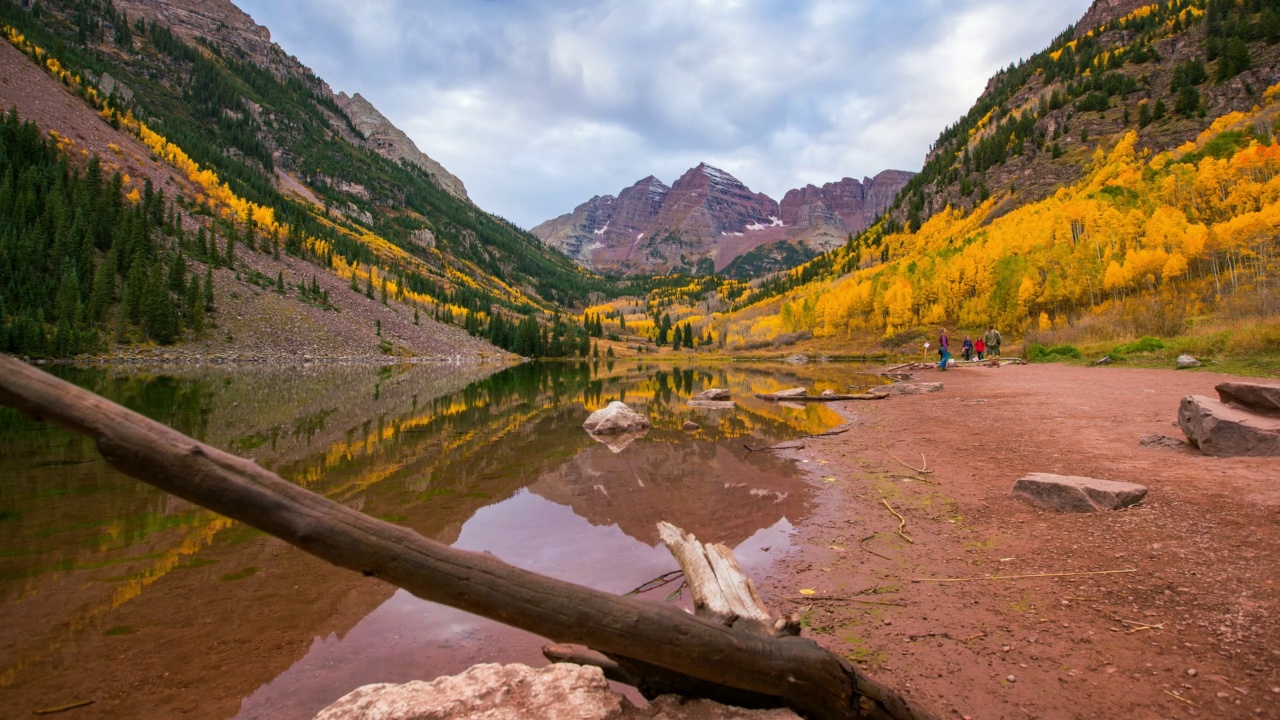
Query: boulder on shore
[[1067, 493], [791, 393], [507, 692], [1227, 431], [614, 419], [798, 359], [1186, 361], [1254, 397], [712, 394], [488, 690]]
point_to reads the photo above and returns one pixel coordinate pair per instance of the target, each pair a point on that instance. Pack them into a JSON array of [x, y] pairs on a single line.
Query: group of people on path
[[987, 345]]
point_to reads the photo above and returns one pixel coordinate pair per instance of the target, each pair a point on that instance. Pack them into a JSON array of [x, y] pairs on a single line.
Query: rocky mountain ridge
[[223, 23], [708, 220]]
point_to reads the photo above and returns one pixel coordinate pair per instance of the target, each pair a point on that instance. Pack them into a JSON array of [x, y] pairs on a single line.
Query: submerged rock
[[617, 442], [1067, 493], [1226, 431], [712, 404], [712, 394], [690, 426], [615, 418]]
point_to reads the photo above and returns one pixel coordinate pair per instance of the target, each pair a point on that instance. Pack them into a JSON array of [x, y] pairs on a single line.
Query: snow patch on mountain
[[773, 222]]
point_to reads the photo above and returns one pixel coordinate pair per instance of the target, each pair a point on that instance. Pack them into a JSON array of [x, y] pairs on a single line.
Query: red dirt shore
[[1192, 631]]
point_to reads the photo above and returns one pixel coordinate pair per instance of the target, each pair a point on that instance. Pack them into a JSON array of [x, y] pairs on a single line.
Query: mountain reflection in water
[[151, 606]]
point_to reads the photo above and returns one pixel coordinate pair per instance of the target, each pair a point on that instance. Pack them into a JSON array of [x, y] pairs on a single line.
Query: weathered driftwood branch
[[817, 398], [656, 638]]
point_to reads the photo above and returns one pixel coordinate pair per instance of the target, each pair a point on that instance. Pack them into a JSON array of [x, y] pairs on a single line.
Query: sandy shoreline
[[1198, 618]]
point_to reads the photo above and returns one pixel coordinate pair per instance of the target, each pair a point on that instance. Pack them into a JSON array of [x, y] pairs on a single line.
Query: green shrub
[[1040, 353], [1146, 344]]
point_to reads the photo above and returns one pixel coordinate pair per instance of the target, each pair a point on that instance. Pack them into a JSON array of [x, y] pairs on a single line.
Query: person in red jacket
[[980, 348]]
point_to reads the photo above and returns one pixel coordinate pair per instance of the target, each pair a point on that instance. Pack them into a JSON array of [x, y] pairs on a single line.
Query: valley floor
[[1193, 630]]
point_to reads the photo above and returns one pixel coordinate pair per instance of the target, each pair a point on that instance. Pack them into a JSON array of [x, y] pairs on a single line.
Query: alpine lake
[[114, 592]]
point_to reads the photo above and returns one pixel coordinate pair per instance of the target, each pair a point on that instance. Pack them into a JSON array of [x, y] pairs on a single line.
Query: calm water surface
[[114, 592]]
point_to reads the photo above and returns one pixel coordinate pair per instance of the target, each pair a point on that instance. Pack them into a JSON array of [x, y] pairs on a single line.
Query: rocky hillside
[[709, 221], [1163, 70], [191, 112]]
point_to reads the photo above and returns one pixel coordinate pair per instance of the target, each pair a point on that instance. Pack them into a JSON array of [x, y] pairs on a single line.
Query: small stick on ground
[[1019, 577], [975, 637], [902, 522], [62, 708], [1185, 700], [838, 599], [915, 477], [825, 434], [922, 470], [873, 552]]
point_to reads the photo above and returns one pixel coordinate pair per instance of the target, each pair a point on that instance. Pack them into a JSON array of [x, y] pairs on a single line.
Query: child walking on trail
[[980, 348], [944, 350]]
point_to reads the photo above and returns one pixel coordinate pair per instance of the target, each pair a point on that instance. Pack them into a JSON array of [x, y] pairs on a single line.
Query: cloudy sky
[[540, 104]]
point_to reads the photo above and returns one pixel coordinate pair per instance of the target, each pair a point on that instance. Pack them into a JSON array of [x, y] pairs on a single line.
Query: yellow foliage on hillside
[[1197, 222]]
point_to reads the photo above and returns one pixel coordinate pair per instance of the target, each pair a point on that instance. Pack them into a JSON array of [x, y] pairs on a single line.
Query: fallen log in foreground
[[717, 659]]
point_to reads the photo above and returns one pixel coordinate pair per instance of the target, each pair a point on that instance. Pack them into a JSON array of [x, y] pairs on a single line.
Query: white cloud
[[538, 105]]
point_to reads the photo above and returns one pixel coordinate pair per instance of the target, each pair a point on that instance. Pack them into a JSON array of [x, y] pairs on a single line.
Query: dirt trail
[[1197, 619]]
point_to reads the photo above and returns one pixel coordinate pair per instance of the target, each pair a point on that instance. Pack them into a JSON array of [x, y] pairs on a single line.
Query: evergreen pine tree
[[208, 288]]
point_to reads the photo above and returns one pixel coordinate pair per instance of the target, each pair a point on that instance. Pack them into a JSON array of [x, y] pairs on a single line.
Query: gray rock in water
[[712, 394], [614, 419], [797, 359], [1254, 397], [1067, 493], [828, 393], [791, 393], [574, 692], [690, 426], [907, 388], [1225, 431], [1186, 361]]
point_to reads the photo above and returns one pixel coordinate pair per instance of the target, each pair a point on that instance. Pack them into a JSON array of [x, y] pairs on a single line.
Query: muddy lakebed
[[117, 593]]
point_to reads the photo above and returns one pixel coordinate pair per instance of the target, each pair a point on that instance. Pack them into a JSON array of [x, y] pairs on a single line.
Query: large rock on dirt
[[1068, 493], [615, 419], [1253, 397], [519, 692], [1186, 361], [491, 691], [906, 388], [712, 394], [1225, 431]]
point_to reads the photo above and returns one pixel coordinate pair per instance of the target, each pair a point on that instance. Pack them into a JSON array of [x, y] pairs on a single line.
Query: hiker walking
[[966, 350], [944, 350], [992, 339]]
